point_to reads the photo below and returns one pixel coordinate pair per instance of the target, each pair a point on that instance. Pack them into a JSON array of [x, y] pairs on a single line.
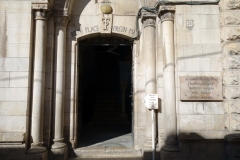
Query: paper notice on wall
[[151, 101]]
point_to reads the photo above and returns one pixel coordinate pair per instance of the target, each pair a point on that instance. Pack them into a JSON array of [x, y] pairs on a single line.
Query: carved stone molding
[[61, 20], [166, 13], [148, 19], [41, 5], [41, 15]]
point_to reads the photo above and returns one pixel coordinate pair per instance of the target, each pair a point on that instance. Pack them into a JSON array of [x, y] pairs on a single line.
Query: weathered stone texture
[[232, 18], [231, 49], [232, 93], [231, 4], [230, 34]]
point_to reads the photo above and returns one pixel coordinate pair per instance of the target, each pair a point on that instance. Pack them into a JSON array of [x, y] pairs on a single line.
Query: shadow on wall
[[194, 147]]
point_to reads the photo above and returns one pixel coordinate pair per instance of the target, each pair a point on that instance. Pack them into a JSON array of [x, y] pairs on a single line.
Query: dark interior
[[100, 107]]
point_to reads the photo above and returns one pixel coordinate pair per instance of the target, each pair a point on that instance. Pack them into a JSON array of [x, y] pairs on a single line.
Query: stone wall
[[15, 61]]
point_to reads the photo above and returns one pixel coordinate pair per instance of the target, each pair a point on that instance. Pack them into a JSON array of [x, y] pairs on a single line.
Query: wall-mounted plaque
[[201, 88]]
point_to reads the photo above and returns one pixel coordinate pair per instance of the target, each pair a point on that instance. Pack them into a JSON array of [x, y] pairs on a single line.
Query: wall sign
[[201, 88], [151, 101]]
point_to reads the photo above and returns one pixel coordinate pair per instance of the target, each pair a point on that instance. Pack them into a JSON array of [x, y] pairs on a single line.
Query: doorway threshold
[[119, 148]]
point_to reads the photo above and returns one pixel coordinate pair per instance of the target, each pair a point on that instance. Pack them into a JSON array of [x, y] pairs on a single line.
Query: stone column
[[170, 118], [38, 78], [59, 90], [149, 51]]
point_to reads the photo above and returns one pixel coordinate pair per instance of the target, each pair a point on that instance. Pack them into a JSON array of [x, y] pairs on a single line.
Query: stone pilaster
[[59, 148], [149, 50], [170, 118], [40, 10]]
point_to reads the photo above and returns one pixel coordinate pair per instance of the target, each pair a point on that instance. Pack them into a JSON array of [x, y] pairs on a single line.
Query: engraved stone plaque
[[201, 88]]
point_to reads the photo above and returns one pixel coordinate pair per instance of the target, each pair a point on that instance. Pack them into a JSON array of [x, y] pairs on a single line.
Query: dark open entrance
[[105, 110]]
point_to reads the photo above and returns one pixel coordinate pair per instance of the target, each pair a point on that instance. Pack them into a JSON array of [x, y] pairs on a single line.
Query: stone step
[[106, 154]]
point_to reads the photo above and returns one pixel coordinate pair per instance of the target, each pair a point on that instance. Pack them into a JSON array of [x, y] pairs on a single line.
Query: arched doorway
[[105, 89]]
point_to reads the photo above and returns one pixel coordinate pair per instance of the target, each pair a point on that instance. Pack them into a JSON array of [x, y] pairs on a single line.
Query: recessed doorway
[[105, 97]]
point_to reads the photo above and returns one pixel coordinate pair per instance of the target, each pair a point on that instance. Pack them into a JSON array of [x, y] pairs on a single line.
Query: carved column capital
[[41, 10], [148, 19], [166, 13], [61, 20]]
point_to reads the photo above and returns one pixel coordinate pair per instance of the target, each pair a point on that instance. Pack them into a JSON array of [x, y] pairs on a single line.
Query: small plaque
[[151, 101], [201, 88], [189, 23]]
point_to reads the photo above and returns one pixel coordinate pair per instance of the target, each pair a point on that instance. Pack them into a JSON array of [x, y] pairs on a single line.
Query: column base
[[147, 150], [59, 151], [37, 152], [171, 147]]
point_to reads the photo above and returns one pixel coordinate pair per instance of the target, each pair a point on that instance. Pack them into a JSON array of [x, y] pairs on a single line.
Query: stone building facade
[[186, 52]]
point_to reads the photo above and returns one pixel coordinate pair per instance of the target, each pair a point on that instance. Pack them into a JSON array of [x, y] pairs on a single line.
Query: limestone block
[[184, 37], [234, 107], [213, 50], [232, 93], [199, 20], [231, 77], [197, 135], [216, 64], [206, 36], [15, 7], [13, 94], [231, 49], [210, 9], [19, 79], [192, 9], [16, 50], [212, 21], [14, 64], [13, 124], [197, 64], [219, 122], [232, 18], [13, 108], [195, 122], [179, 9], [198, 108], [185, 107], [126, 7], [13, 137], [215, 108], [194, 51], [140, 80], [233, 62], [159, 80], [124, 26], [16, 35], [234, 122], [4, 79], [230, 33], [231, 4], [86, 26]]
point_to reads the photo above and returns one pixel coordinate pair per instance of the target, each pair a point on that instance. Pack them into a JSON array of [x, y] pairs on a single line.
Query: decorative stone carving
[[105, 24], [41, 5], [41, 14], [61, 20], [148, 19], [166, 13]]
